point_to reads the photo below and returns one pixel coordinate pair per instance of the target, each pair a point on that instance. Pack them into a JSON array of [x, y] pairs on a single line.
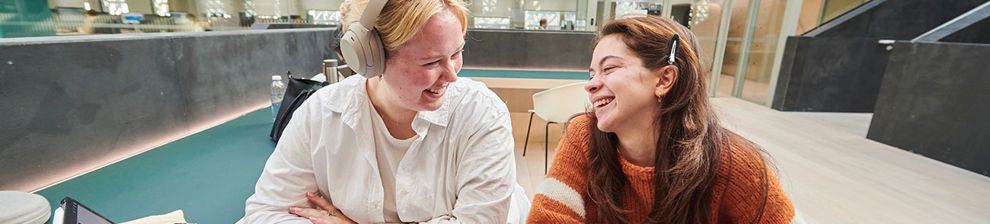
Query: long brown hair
[[690, 141]]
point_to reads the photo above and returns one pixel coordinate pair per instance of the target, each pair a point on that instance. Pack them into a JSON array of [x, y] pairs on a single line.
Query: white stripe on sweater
[[560, 192]]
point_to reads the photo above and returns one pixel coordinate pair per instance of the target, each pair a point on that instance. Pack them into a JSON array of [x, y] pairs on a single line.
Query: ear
[[666, 76]]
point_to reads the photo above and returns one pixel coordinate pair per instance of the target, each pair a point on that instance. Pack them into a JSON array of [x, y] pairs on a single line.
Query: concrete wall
[[847, 45], [830, 74], [72, 102], [933, 102], [528, 49]]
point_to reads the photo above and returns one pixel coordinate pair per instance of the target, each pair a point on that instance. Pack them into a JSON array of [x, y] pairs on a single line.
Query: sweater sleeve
[[750, 179], [560, 198]]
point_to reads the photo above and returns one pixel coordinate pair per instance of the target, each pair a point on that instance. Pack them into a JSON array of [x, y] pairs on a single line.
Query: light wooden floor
[[831, 172], [853, 123]]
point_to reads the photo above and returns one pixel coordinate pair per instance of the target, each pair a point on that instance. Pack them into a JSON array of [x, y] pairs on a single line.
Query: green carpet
[[208, 175]]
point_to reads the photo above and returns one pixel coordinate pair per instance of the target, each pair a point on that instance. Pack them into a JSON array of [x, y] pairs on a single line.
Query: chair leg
[[546, 148], [528, 127]]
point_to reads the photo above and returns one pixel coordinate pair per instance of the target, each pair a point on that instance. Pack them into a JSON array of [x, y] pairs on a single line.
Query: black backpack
[[296, 91]]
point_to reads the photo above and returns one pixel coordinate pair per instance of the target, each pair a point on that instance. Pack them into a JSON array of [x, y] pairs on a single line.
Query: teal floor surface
[[208, 175]]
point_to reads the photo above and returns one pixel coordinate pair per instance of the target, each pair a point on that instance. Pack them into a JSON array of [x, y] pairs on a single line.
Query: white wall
[[551, 5], [592, 11], [499, 8], [306, 5], [140, 6], [66, 3], [74, 4], [229, 6], [285, 7]]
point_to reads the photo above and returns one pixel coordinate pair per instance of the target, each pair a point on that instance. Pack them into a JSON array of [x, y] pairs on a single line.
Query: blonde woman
[[416, 144], [651, 150]]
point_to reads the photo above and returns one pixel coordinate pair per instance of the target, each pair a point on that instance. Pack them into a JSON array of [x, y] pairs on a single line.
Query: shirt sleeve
[[287, 176], [486, 174]]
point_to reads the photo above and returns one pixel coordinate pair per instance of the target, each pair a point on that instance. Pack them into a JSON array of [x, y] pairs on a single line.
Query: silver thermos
[[330, 70]]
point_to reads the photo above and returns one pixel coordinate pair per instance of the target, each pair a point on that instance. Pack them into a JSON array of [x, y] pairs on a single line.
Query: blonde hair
[[400, 20]]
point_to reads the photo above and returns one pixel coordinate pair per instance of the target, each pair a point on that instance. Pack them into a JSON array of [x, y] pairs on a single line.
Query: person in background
[[652, 150], [188, 23], [416, 144], [543, 24], [89, 18]]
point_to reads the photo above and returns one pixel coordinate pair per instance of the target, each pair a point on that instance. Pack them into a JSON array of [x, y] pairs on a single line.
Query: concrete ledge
[[528, 49], [76, 103]]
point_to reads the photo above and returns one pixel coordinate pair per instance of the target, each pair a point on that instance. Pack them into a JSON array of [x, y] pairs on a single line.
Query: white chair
[[22, 207], [557, 106]]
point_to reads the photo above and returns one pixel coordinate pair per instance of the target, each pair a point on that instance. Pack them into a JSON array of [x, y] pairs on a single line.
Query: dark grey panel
[[896, 19], [978, 32], [839, 69], [934, 108], [528, 49], [830, 75], [789, 62], [71, 101]]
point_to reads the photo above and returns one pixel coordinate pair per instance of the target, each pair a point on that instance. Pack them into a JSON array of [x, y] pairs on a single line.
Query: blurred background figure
[[89, 17], [187, 23]]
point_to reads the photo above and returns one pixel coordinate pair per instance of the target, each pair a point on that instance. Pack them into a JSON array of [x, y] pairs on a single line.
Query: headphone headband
[[371, 12], [361, 45]]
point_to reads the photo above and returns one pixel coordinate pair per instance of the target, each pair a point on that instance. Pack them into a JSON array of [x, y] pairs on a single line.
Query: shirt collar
[[351, 99]]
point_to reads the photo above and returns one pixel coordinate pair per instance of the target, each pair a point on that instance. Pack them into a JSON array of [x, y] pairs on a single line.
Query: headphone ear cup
[[351, 49], [376, 50], [363, 51]]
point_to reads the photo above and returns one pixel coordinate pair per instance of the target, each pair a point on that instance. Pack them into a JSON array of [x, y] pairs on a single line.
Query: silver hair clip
[[673, 49]]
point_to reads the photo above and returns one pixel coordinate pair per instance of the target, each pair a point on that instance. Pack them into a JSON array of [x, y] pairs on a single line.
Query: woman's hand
[[324, 213]]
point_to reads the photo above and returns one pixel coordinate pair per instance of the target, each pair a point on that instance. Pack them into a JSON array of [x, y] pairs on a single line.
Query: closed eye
[[608, 69]]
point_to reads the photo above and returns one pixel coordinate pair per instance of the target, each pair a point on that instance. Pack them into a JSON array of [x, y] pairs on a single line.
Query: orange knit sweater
[[737, 194]]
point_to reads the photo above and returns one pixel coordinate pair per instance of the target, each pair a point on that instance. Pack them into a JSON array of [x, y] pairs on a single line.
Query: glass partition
[[27, 18], [82, 17]]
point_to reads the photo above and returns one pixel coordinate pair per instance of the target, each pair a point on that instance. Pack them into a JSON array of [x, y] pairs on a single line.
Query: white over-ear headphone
[[362, 46]]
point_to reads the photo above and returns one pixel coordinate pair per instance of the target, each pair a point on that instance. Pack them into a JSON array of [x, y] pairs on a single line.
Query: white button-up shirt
[[460, 167]]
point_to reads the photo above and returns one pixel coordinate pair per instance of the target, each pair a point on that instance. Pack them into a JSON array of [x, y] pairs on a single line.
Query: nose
[[449, 73], [593, 86]]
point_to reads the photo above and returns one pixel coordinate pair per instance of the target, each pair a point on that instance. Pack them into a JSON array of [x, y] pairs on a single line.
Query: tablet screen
[[85, 216], [76, 213]]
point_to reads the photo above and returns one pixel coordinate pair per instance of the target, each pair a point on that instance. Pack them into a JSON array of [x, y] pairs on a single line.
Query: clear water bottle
[[278, 92]]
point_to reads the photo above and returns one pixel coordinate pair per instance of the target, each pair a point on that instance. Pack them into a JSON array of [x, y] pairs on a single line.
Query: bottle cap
[[276, 78]]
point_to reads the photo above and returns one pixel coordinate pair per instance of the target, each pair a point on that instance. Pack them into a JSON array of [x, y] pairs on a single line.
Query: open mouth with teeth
[[603, 102], [436, 91]]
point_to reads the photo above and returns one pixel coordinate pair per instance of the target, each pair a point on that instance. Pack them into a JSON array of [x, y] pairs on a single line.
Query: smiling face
[[621, 89], [418, 72]]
